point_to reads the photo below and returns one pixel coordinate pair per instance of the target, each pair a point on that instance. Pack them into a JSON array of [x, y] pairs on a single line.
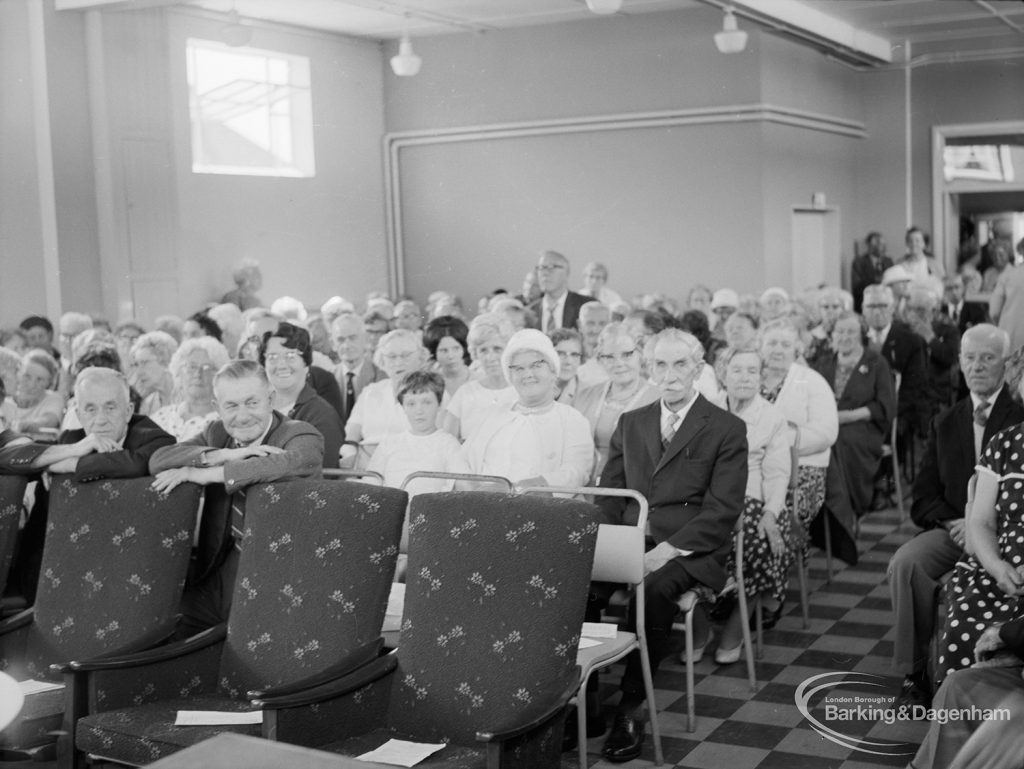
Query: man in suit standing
[[962, 313], [250, 443], [355, 368], [868, 268], [955, 442], [689, 459], [558, 307], [113, 442]]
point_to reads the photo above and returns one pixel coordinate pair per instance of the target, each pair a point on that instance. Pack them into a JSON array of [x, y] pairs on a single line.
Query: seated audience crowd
[[703, 408]]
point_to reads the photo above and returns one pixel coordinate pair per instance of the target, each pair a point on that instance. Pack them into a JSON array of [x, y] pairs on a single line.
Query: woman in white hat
[[536, 441]]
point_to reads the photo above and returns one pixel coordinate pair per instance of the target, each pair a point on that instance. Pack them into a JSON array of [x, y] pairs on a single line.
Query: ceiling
[[934, 29]]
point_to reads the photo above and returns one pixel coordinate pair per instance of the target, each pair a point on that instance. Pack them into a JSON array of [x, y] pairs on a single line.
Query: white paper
[[401, 752], [600, 629], [217, 718], [396, 600], [32, 686], [586, 643]]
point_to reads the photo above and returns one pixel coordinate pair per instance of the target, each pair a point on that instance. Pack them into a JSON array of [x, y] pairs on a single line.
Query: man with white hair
[[941, 345], [955, 442], [355, 368], [904, 351], [248, 280], [689, 459], [113, 442]]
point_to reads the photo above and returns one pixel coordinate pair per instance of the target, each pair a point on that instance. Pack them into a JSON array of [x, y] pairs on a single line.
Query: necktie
[[238, 517], [954, 313], [875, 340], [350, 392], [668, 431], [980, 417], [552, 323]]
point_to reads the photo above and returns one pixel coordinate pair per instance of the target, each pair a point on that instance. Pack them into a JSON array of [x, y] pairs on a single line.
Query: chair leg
[[828, 547], [759, 625], [691, 721], [581, 721], [652, 707], [747, 645], [802, 579]]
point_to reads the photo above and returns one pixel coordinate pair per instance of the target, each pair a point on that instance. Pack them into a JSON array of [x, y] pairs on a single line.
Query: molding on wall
[[395, 142]]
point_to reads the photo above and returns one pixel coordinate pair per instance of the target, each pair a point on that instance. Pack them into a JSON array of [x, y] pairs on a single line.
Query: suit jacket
[[695, 489], [940, 488], [143, 439], [570, 313], [905, 353], [326, 386], [303, 458], [971, 314], [368, 374], [313, 409], [863, 273]]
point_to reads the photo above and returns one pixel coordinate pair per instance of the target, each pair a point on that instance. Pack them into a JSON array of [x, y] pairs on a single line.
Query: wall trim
[[395, 142]]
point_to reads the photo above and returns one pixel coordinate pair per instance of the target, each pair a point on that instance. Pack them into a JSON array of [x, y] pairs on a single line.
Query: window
[[251, 111]]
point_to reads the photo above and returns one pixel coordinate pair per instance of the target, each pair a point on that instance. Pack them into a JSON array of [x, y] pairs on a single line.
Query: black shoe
[[625, 741], [914, 698], [768, 619], [595, 726]]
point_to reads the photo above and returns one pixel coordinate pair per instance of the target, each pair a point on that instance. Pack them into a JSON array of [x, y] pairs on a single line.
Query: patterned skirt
[[763, 571], [812, 494]]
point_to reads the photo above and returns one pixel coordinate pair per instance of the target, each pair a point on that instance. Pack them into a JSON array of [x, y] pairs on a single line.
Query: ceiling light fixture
[[604, 7], [731, 39], [234, 32], [406, 63]]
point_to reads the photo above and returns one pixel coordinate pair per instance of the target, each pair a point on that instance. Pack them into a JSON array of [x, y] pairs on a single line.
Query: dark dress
[[859, 446]]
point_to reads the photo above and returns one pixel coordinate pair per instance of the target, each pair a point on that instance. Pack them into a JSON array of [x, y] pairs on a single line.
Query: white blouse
[[473, 403], [807, 400]]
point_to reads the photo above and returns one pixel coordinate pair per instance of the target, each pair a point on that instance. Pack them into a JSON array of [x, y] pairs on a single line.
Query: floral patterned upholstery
[[112, 573], [495, 596], [12, 492], [313, 580]]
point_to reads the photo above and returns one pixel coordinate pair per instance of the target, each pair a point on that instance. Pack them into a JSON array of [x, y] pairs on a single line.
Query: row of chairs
[[496, 583]]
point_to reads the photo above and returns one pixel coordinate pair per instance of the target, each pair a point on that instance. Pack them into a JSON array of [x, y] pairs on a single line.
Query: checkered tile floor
[[850, 630]]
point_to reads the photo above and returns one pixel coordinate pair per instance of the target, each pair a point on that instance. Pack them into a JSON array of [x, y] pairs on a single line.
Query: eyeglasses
[[534, 368], [569, 355], [624, 357], [290, 357], [549, 267], [199, 368], [876, 307], [392, 357]]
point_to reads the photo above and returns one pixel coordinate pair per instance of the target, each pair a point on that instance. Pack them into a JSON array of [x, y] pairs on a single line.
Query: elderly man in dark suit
[[961, 312], [868, 268], [955, 442], [250, 443], [558, 307], [689, 459], [112, 443], [355, 368]]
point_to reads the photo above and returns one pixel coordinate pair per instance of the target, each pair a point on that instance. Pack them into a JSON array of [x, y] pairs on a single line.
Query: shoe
[[698, 651], [729, 656], [914, 698], [595, 726], [625, 741], [772, 618]]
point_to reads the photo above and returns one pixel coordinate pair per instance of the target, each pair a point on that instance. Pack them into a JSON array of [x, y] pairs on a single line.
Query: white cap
[[529, 339]]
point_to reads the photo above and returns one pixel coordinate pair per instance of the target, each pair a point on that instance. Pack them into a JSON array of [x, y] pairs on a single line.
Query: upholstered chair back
[[12, 492], [496, 591], [316, 566], [113, 568]]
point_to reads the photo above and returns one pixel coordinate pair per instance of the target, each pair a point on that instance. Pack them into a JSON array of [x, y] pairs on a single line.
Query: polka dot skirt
[[975, 601]]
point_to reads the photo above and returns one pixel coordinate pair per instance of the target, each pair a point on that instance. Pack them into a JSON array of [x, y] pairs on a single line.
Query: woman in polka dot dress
[[987, 587]]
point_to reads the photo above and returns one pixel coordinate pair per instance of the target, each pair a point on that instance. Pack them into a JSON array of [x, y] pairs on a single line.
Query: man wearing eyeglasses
[[251, 443], [558, 307], [113, 442]]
